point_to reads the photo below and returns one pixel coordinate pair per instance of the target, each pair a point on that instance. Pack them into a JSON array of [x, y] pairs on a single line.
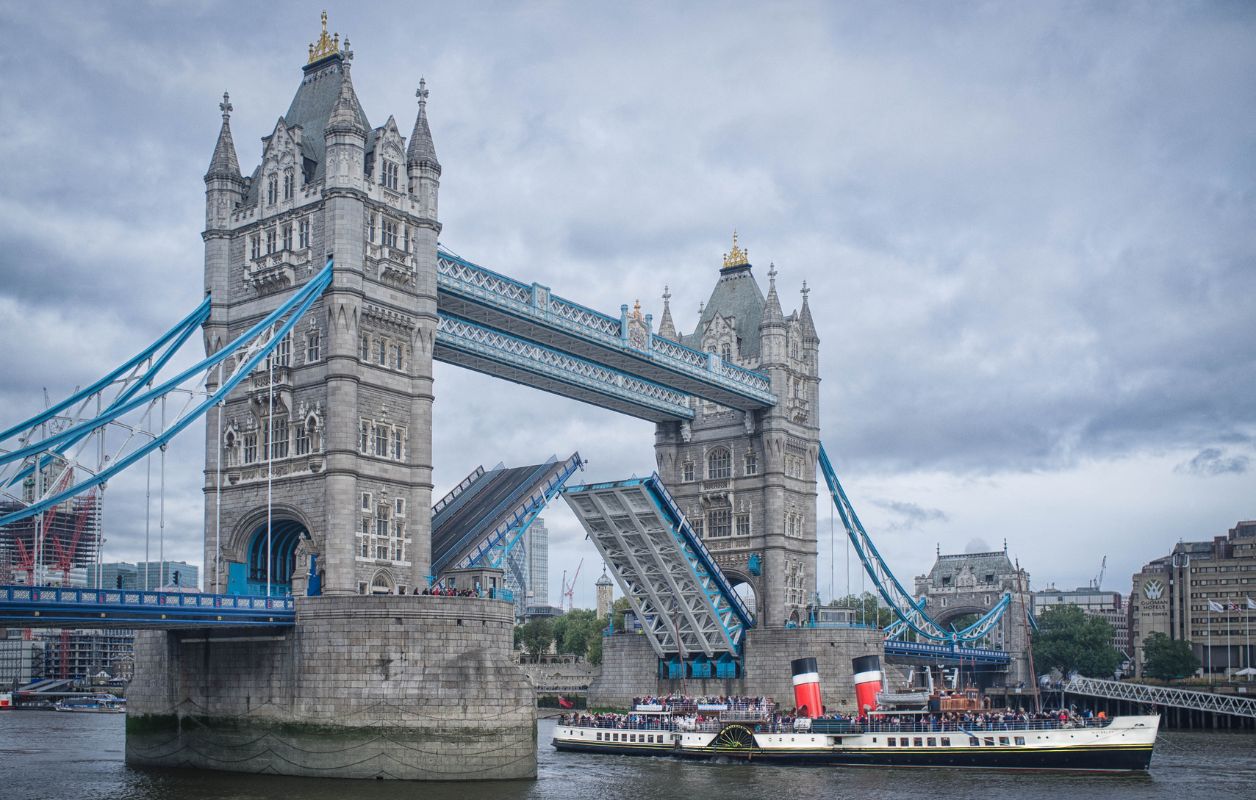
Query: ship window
[[973, 741], [932, 742], [917, 742], [1004, 741], [903, 741], [946, 741], [599, 736], [989, 741], [1020, 739], [890, 741]]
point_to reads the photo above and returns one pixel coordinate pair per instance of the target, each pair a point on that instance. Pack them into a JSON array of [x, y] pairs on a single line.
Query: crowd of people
[[684, 716]]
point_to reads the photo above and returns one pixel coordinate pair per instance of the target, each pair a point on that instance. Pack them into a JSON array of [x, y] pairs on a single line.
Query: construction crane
[[1103, 567], [569, 589]]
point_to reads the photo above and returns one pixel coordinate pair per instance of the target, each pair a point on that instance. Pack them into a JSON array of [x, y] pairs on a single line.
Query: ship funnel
[[867, 682], [806, 687]]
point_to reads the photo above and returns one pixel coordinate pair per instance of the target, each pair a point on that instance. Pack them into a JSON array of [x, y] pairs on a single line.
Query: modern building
[[147, 575], [536, 546], [66, 552], [21, 659], [1109, 606], [1199, 593], [82, 654], [746, 481]]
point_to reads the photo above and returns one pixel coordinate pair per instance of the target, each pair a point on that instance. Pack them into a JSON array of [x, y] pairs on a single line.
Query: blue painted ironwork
[[532, 312], [684, 601], [501, 542], [285, 535], [47, 607], [946, 652], [250, 348], [910, 611], [465, 343]]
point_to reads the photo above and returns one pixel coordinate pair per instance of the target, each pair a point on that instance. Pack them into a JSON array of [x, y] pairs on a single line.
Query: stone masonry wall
[[630, 667], [418, 688]]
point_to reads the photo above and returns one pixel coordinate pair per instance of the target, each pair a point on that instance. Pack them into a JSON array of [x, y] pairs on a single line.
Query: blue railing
[[104, 608], [893, 647]]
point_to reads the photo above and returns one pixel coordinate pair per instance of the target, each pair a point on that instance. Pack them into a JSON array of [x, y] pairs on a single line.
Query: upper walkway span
[[529, 312]]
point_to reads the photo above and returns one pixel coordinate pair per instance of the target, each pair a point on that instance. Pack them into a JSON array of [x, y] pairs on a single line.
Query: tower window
[[287, 236], [719, 464], [289, 184], [303, 440], [250, 448], [752, 463], [303, 235], [390, 233], [719, 522], [370, 227], [271, 239], [394, 356], [272, 189], [743, 525], [255, 247], [381, 441], [686, 471], [379, 352], [388, 175], [364, 348], [313, 346], [726, 352], [793, 350]]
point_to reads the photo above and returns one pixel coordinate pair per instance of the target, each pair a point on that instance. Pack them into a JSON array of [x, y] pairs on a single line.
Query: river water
[[80, 757]]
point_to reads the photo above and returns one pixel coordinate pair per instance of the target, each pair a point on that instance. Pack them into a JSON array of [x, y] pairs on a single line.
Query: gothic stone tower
[[747, 482], [350, 465]]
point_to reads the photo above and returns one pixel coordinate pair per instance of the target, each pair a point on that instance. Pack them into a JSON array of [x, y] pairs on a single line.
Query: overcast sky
[[1029, 231]]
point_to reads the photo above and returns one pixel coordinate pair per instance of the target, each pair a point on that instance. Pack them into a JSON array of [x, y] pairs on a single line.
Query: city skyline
[[1030, 316]]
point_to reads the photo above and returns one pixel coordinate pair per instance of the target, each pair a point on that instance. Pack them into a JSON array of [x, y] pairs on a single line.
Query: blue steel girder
[[531, 312], [231, 364], [500, 544], [465, 343], [49, 607], [685, 604], [910, 612], [945, 653]]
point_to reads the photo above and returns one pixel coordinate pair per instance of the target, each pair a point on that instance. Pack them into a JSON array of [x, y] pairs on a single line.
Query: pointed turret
[[422, 168], [667, 329], [224, 164], [422, 151], [807, 326], [773, 317], [346, 114]]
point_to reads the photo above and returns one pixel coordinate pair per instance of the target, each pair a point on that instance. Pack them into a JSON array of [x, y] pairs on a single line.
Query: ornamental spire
[[224, 163], [737, 257], [772, 314], [422, 151], [326, 45], [667, 328]]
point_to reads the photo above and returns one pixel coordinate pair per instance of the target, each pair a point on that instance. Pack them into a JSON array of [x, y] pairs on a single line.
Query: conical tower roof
[[422, 150], [667, 329], [807, 324], [224, 163], [772, 315]]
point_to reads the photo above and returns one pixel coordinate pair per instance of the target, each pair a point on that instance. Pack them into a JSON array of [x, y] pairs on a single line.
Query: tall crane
[[569, 589], [1103, 567]]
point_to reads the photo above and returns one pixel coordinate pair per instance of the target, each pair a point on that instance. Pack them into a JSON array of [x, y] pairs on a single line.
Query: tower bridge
[[317, 392]]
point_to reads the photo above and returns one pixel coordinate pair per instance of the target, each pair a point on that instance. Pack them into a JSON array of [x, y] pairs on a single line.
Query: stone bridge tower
[[350, 467], [967, 584], [747, 481]]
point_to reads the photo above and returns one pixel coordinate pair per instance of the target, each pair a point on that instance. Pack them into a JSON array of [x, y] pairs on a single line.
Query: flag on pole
[[1251, 604], [1213, 605]]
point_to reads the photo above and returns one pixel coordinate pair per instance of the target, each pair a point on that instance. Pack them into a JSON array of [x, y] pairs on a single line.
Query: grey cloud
[[1214, 461], [910, 515]]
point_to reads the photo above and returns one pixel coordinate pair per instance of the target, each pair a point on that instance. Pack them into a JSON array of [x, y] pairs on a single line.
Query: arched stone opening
[[274, 555], [744, 587]]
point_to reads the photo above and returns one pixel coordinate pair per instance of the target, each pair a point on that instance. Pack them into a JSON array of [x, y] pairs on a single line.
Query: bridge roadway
[[48, 607]]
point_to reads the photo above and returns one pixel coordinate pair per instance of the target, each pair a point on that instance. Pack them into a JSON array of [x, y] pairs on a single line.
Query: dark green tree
[[1071, 640], [575, 631], [1167, 659], [536, 636], [867, 607]]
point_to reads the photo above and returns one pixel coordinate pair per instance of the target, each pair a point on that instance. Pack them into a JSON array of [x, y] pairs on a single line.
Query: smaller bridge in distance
[[1162, 696]]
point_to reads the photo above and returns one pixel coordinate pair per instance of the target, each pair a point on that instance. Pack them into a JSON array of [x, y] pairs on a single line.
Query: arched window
[[752, 463], [381, 584], [719, 464], [229, 442], [289, 184], [272, 189], [726, 352], [793, 350]]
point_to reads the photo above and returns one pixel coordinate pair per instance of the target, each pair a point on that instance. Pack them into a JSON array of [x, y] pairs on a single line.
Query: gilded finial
[[225, 106], [326, 45], [737, 257]]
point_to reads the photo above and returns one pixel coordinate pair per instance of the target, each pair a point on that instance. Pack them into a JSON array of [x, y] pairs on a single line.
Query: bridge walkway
[[1162, 696]]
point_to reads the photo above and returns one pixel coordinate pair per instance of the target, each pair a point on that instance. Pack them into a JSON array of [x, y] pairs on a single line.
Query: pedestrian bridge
[[1162, 696], [47, 607]]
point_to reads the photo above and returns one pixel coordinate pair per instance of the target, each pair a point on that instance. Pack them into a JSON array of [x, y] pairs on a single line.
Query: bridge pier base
[[630, 667], [412, 688]]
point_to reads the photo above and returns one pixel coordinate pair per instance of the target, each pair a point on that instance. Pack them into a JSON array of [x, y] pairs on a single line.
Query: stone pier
[[630, 667], [413, 688]]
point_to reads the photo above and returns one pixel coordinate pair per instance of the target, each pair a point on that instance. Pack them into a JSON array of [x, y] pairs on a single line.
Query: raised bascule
[[328, 298]]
